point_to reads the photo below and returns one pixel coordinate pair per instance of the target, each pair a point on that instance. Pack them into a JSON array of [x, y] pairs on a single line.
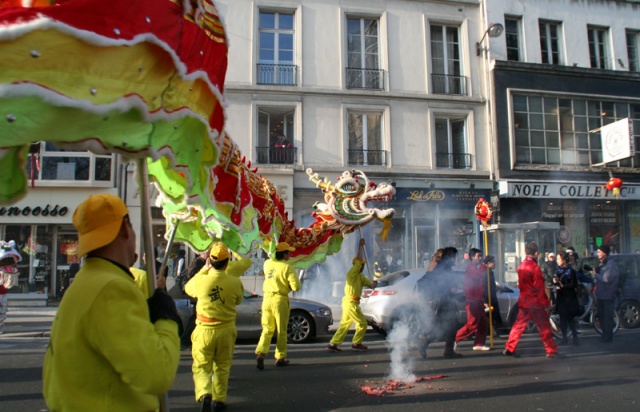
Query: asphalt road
[[591, 377]]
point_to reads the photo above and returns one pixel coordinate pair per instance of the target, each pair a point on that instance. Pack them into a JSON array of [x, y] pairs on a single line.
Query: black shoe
[[206, 403], [453, 355], [576, 342], [563, 342], [282, 362], [509, 353], [218, 406], [260, 361]]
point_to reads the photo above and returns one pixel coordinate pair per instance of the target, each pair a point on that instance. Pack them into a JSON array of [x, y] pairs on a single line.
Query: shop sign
[[565, 191], [48, 210], [448, 196]]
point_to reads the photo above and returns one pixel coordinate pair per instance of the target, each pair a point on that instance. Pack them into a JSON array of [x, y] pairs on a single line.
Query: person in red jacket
[[474, 279], [532, 304]]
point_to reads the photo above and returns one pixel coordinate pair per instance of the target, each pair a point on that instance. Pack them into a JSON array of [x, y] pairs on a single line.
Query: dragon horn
[[323, 184]]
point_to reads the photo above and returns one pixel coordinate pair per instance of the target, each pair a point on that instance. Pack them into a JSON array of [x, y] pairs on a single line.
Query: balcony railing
[[453, 160], [448, 84], [276, 155], [365, 78], [367, 157], [277, 74]]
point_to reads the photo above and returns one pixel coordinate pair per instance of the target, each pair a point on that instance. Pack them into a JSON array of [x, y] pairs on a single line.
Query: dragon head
[[347, 200]]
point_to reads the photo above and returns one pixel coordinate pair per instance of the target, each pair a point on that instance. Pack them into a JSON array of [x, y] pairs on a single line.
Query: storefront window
[[604, 225], [35, 244]]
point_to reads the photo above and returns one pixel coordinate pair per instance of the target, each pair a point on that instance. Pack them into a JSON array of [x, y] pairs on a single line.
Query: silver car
[[395, 300], [307, 318]]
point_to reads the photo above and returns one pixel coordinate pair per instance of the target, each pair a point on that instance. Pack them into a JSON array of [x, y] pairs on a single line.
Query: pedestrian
[[549, 272], [567, 304], [214, 337], [351, 311], [475, 279], [9, 272], [532, 304], [110, 349], [607, 279], [438, 292], [279, 279], [496, 316]]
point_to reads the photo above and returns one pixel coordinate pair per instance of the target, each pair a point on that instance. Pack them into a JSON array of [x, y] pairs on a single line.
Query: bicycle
[[590, 314]]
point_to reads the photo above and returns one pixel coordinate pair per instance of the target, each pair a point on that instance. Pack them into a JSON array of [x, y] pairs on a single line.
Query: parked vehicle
[[629, 291], [307, 318], [395, 300]]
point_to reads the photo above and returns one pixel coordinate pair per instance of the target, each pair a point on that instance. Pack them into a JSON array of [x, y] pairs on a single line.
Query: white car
[[395, 299]]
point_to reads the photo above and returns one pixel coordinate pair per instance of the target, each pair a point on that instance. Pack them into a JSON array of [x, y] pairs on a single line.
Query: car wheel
[[301, 327], [407, 316], [629, 314]]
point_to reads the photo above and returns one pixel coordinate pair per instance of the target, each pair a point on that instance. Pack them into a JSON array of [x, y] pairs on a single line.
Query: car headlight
[[323, 312]]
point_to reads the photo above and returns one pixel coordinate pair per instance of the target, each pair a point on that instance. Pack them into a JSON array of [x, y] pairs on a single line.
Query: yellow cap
[[284, 246], [219, 252], [98, 220]]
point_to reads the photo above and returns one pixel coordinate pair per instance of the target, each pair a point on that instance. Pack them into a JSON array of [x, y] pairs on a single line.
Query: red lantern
[[483, 211], [614, 184]]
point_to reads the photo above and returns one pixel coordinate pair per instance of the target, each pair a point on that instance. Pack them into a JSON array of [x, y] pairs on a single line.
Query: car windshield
[[393, 278]]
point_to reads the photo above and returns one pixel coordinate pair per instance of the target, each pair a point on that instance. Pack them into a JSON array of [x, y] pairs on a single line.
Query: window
[[633, 50], [365, 138], [276, 53], [512, 35], [549, 42], [363, 59], [451, 144], [598, 47], [276, 135], [446, 73], [70, 165], [555, 131]]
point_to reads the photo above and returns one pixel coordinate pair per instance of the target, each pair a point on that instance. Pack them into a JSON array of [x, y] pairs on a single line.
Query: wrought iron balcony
[[453, 160], [367, 157], [277, 74], [365, 78], [276, 155], [448, 84]]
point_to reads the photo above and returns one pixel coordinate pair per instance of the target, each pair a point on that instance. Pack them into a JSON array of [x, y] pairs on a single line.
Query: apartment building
[[562, 70], [392, 88]]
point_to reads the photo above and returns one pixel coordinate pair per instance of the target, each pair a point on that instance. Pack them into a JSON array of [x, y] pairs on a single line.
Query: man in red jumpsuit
[[533, 304], [475, 277]]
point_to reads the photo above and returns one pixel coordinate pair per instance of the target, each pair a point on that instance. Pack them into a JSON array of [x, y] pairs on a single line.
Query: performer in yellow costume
[[351, 311], [214, 337], [279, 279]]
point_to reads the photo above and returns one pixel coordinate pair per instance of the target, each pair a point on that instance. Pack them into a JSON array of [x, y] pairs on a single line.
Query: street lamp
[[494, 30]]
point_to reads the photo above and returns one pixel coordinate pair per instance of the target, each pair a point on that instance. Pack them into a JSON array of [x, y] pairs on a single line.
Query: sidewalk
[[24, 322]]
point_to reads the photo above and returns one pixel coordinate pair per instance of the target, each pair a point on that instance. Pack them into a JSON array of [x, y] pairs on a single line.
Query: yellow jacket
[[355, 280], [140, 277], [218, 294], [279, 278], [104, 354]]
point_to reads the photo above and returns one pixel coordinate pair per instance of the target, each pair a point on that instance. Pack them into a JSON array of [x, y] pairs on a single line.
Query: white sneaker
[[455, 346], [483, 347]]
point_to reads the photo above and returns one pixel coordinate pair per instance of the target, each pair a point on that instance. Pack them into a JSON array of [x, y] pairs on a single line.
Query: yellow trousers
[[275, 317], [351, 313], [212, 352]]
